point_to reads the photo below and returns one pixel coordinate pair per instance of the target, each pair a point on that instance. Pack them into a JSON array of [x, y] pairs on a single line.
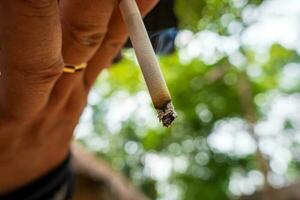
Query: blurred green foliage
[[204, 95], [196, 15]]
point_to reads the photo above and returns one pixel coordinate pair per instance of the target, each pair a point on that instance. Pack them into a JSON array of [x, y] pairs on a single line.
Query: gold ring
[[74, 68]]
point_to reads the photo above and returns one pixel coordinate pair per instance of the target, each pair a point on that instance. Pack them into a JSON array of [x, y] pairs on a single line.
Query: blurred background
[[234, 75]]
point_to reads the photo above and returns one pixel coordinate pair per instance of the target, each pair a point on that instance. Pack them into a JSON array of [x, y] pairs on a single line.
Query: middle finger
[[84, 26]]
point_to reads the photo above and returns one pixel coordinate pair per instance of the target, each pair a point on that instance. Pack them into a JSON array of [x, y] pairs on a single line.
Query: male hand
[[39, 104]]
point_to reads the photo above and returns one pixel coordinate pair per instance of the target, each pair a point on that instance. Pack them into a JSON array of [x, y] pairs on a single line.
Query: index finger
[[30, 59]]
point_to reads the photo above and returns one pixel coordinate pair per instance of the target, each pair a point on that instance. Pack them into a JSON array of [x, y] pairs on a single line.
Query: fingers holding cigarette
[[113, 42]]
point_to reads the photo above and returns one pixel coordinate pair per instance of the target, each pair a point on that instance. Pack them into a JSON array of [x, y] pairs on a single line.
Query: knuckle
[[39, 8], [44, 74], [87, 34], [115, 43]]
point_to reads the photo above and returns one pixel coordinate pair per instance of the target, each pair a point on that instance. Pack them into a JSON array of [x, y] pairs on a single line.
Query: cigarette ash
[[167, 114]]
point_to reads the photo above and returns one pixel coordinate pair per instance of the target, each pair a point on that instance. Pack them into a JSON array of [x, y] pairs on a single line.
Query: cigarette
[[148, 62]]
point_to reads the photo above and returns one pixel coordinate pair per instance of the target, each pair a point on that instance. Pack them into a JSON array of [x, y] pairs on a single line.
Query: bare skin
[[39, 104]]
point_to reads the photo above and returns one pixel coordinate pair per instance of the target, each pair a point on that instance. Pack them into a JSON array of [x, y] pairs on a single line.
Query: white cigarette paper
[[148, 61]]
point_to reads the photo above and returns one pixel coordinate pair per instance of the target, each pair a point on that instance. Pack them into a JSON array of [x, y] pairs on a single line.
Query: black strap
[[47, 187]]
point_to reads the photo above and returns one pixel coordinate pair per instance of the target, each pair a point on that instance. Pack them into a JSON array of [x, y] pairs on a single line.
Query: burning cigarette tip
[[167, 114]]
